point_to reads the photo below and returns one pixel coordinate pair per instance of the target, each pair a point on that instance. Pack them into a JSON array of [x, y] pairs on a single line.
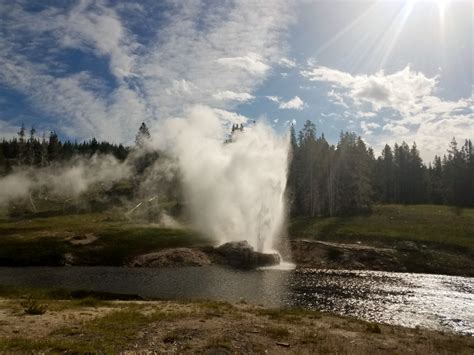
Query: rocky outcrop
[[241, 255], [403, 256], [325, 255], [172, 258]]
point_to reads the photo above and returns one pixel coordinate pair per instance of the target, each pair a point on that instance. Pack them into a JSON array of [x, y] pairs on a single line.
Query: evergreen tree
[[21, 144], [54, 147], [142, 136], [436, 187]]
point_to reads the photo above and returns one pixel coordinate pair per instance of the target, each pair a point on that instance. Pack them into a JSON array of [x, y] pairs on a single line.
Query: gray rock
[[172, 258]]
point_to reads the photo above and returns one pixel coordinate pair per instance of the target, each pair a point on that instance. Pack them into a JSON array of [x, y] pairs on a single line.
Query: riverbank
[[393, 257], [93, 325], [422, 239]]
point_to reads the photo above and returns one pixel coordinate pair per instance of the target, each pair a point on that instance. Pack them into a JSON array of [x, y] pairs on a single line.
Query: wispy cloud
[[233, 96], [195, 54], [287, 63], [293, 104]]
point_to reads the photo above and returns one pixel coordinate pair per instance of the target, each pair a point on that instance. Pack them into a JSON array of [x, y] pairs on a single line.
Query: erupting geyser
[[235, 191]]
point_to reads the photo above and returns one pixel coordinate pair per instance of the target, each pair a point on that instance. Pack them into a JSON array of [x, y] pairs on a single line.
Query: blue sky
[[388, 70]]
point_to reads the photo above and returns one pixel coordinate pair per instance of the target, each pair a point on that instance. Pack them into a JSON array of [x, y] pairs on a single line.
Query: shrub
[[32, 307]]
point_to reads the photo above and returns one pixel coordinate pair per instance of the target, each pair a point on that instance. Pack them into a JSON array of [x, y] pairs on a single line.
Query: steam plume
[[235, 191]]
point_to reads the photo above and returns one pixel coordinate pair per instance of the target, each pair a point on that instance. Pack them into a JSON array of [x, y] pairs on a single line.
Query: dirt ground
[[149, 327]]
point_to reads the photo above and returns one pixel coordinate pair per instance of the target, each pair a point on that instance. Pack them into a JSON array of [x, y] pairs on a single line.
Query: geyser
[[235, 191]]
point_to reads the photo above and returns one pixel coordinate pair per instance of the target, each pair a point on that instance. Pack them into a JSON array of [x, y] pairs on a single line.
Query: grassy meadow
[[46, 237], [44, 240], [430, 224]]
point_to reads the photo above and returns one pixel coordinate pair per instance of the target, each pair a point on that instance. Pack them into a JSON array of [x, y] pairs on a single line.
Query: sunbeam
[[343, 31], [396, 27]]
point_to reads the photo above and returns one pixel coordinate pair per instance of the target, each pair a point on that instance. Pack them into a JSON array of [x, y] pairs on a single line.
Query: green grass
[[393, 223], [44, 240]]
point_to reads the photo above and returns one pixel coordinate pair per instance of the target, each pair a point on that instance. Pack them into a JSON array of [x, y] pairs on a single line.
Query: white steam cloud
[[235, 191], [66, 181]]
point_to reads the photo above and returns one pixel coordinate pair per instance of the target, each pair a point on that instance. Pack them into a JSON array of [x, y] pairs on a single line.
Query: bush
[[32, 307]]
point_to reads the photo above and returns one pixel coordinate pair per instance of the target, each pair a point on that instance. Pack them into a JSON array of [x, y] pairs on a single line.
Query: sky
[[389, 70]]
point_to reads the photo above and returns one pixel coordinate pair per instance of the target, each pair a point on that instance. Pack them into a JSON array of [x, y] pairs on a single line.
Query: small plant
[[32, 307]]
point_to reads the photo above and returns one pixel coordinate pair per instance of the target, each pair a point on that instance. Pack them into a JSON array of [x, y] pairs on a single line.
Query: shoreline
[[405, 257]]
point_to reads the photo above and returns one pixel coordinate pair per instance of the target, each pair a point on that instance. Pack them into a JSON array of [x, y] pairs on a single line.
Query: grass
[[45, 240], [81, 296], [166, 327], [277, 332], [393, 223], [107, 334]]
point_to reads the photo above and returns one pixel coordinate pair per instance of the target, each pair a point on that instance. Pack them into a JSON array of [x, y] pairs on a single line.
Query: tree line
[[323, 179], [346, 178], [29, 150]]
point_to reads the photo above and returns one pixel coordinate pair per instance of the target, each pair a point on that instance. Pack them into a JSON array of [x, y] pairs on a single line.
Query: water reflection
[[432, 301]]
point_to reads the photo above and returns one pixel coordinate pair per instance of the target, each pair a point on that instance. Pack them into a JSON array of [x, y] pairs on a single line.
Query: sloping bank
[[403, 256]]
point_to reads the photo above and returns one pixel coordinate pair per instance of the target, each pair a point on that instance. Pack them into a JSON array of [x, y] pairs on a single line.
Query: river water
[[430, 301]]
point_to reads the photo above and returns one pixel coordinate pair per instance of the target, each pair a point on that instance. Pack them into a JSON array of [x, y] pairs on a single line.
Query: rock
[[241, 255], [172, 258], [264, 259]]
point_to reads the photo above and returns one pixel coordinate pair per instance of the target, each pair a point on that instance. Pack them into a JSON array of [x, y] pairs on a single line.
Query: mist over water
[[234, 191]]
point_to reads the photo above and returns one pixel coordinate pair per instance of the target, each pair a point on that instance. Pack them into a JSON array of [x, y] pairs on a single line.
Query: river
[[437, 302]]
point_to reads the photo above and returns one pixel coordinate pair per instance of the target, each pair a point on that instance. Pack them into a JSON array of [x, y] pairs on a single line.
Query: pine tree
[[143, 136], [54, 147], [21, 145]]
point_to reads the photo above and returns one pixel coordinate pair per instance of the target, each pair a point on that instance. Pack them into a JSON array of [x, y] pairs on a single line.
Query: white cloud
[[195, 55], [402, 90], [294, 104], [368, 127], [252, 62], [273, 98], [366, 114], [408, 102], [95, 27], [397, 129], [337, 98], [288, 63], [233, 96]]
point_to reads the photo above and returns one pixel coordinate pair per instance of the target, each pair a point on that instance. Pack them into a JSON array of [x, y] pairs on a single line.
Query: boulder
[[172, 258], [242, 255]]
